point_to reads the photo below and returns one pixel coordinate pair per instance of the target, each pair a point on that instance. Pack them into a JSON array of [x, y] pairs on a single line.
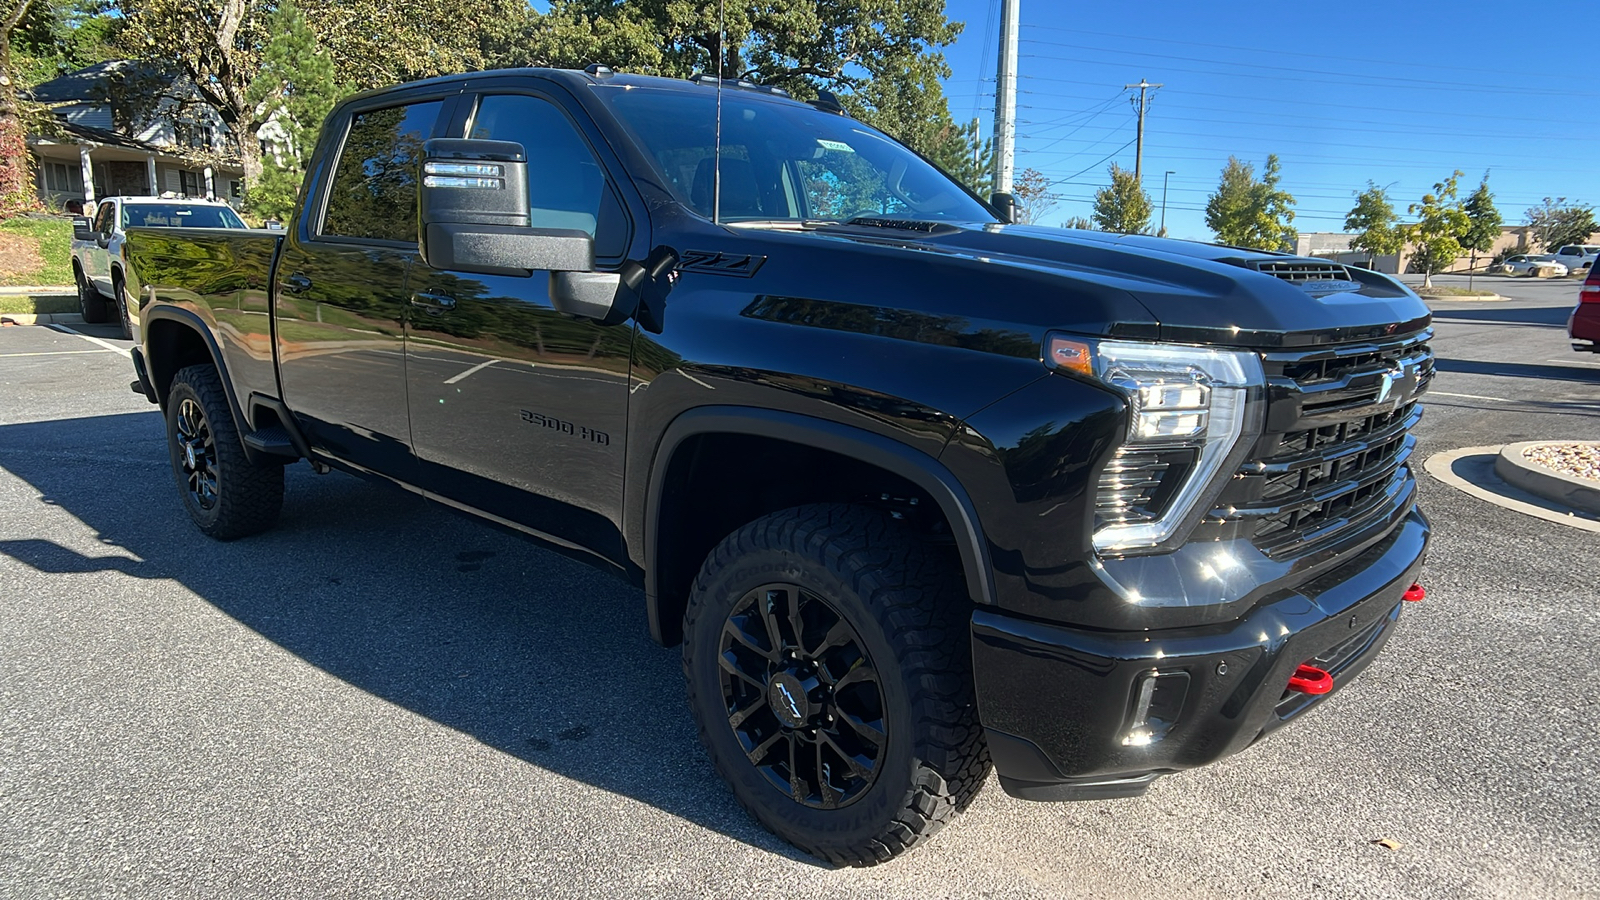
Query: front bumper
[[1061, 706]]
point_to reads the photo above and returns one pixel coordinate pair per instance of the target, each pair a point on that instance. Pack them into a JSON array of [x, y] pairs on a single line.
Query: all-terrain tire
[[91, 305], [120, 302], [240, 498], [904, 599]]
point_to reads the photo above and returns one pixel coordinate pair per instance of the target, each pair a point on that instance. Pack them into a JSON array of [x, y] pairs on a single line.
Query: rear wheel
[[827, 656], [225, 494], [91, 305]]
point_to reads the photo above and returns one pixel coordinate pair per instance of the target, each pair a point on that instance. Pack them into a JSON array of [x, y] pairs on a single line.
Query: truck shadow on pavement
[[1554, 316], [1544, 371], [530, 653]]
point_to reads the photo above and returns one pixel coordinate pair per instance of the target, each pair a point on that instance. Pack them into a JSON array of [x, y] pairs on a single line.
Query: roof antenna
[[716, 164]]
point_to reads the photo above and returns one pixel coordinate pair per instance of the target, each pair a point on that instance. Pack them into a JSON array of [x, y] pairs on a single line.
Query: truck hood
[[1180, 290]]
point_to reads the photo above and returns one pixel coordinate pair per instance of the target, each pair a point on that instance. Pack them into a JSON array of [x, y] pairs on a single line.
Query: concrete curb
[[1471, 471], [1578, 493], [1450, 298], [22, 290], [41, 319]]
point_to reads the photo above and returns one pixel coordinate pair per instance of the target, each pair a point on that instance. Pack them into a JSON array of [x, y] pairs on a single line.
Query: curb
[[20, 290], [1450, 298], [41, 319], [1558, 487]]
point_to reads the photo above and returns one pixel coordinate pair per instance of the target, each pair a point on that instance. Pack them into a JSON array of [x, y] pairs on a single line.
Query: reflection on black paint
[[898, 324]]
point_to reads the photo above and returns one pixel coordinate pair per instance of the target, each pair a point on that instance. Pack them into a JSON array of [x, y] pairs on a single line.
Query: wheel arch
[[666, 597], [176, 337]]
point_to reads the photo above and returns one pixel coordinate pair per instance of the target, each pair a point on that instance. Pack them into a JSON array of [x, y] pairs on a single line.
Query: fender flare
[[875, 449], [193, 322]]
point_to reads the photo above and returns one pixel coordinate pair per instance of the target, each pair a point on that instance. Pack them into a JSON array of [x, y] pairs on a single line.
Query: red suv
[[1584, 326]]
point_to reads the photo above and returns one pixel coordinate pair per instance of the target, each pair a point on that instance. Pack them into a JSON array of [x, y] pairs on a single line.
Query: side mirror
[[1005, 205], [475, 216], [83, 229]]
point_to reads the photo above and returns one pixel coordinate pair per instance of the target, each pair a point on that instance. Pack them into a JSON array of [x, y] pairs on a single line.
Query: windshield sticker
[[840, 146]]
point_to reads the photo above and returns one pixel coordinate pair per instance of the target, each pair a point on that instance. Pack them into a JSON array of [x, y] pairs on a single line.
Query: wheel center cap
[[788, 700], [189, 457]]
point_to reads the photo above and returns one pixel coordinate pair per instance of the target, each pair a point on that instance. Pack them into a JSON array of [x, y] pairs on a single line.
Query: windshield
[[782, 160], [171, 215]]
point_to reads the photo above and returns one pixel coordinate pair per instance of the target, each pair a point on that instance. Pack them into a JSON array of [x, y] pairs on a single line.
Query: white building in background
[[182, 147]]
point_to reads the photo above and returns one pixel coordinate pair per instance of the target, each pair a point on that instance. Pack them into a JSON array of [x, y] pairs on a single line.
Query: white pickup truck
[[98, 264]]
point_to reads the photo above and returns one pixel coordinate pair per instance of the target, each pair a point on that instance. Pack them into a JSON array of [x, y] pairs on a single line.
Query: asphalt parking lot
[[380, 698]]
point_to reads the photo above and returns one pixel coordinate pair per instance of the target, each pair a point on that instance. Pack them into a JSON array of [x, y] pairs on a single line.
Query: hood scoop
[[1314, 276], [902, 225]]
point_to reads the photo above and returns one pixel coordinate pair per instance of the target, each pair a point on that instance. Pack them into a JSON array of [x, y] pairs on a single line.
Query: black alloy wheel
[[227, 494], [197, 453], [827, 653], [802, 696]]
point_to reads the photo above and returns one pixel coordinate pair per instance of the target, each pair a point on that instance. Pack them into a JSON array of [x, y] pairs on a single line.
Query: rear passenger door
[[340, 288], [517, 410]]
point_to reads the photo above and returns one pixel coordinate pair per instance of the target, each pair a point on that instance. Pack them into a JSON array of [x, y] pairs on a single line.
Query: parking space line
[[93, 340], [1576, 362], [477, 368], [1470, 397], [51, 353]]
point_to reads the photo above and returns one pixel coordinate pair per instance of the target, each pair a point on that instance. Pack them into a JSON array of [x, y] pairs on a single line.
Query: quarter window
[[373, 193]]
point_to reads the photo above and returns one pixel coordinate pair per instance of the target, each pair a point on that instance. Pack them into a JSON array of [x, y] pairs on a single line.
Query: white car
[[97, 260], [1533, 265], [1577, 256]]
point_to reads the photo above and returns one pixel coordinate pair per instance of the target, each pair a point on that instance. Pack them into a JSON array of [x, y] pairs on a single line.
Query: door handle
[[297, 283], [434, 303]]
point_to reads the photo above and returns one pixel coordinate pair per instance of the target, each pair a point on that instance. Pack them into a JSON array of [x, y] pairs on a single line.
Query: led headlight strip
[[1180, 397]]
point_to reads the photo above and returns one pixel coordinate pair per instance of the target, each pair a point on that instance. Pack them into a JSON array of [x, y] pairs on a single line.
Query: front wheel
[[828, 662], [225, 494], [120, 299]]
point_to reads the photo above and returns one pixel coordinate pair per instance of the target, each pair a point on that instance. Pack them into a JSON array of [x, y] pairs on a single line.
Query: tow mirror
[[1005, 205], [82, 229], [475, 216]]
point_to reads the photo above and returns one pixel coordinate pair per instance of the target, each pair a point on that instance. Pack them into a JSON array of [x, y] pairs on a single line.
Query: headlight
[[1190, 420]]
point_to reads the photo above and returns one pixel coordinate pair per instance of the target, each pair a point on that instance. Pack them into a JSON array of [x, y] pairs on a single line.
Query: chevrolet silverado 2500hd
[[918, 491]]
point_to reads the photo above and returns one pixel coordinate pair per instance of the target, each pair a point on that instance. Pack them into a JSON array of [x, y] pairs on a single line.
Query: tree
[[1245, 212], [295, 90], [1557, 222], [883, 59], [1034, 199], [16, 174], [217, 47], [1436, 235], [1122, 206], [1375, 223], [1078, 222], [1484, 221]]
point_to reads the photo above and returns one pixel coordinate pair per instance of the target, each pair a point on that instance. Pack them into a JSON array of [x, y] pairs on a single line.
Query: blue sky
[[1400, 94]]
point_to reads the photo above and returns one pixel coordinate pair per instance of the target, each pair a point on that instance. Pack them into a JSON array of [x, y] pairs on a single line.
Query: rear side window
[[373, 193], [566, 186]]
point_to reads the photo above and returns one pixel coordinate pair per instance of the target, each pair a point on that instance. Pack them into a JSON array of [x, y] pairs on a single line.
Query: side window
[[104, 218], [566, 186], [373, 193]]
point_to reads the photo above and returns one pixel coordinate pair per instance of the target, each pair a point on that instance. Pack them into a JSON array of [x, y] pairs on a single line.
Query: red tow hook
[[1311, 680], [1415, 593]]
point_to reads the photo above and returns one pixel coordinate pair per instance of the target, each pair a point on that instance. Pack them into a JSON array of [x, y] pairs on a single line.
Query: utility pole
[[1138, 151], [1005, 99], [1164, 179]]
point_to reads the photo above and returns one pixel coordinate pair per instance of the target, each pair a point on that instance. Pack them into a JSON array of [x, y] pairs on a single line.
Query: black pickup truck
[[918, 491]]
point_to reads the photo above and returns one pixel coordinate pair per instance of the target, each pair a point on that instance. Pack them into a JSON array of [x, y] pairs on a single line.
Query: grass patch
[[35, 251], [1453, 292], [38, 305]]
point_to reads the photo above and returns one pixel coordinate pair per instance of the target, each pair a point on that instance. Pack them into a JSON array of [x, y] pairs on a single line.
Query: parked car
[[1577, 256], [919, 491], [1584, 324], [98, 264], [1533, 265]]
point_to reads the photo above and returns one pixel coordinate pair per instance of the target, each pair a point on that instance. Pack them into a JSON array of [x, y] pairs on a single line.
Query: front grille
[[1299, 271], [1334, 455]]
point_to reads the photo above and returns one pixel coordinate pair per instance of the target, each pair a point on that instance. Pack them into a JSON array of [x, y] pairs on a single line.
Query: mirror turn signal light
[[1415, 593], [1311, 680]]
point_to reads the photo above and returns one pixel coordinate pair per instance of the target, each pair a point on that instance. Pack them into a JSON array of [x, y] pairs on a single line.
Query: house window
[[192, 184], [64, 178], [234, 189]]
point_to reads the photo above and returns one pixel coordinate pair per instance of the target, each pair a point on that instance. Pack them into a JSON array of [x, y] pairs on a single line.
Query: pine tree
[[1244, 212], [296, 89]]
